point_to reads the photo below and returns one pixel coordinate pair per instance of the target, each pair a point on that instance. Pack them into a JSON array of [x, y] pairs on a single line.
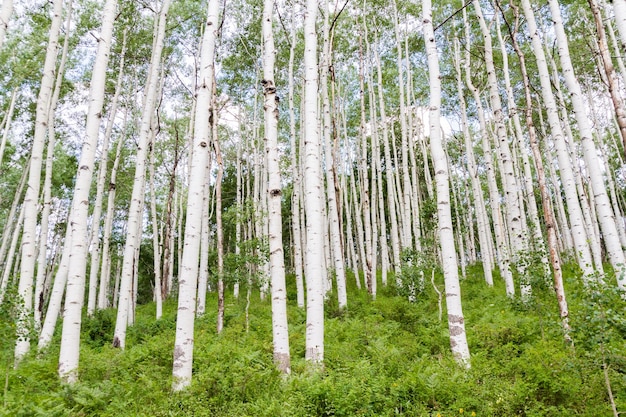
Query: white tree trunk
[[183, 345], [280, 329], [502, 247], [42, 256], [315, 272], [606, 217], [619, 8], [105, 270], [100, 185], [6, 123], [456, 321], [295, 172], [135, 213], [70, 338], [519, 242], [5, 17], [565, 165], [484, 229], [31, 199]]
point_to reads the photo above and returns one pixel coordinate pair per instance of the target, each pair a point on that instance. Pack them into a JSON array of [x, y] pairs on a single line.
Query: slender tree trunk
[[502, 247], [280, 329], [6, 274], [619, 8], [565, 165], [606, 216], [456, 321], [519, 242], [484, 229], [135, 214], [203, 275], [105, 270], [543, 188], [6, 124], [218, 215], [183, 345], [31, 199], [613, 86], [5, 17], [101, 182], [295, 172], [315, 272]]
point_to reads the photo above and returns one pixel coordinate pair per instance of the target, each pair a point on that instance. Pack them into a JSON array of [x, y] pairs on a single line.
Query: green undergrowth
[[385, 357]]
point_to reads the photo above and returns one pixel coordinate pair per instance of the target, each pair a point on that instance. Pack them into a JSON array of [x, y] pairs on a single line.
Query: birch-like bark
[[100, 185], [135, 213], [280, 329], [42, 264], [295, 173], [70, 337], [519, 241], [8, 267], [619, 9], [548, 216], [565, 165], [456, 320], [391, 189], [605, 214], [105, 269], [611, 78], [502, 247], [31, 199], [6, 124], [158, 297], [219, 232], [484, 229], [315, 272], [527, 191], [183, 345], [334, 230], [203, 274], [5, 17]]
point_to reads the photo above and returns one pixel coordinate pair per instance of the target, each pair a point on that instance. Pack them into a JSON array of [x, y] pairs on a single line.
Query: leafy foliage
[[385, 357]]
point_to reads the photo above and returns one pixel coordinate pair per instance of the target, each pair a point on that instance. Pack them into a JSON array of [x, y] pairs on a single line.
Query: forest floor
[[386, 357]]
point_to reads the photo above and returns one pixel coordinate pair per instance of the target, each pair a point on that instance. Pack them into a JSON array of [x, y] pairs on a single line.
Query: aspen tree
[[295, 173], [203, 275], [105, 269], [611, 78], [619, 8], [606, 217], [31, 198], [280, 329], [315, 272], [158, 296], [456, 321], [543, 188], [42, 254], [391, 189], [6, 123], [100, 185], [336, 247], [125, 308], [502, 247], [527, 188], [6, 274], [5, 17], [9, 230], [183, 345], [565, 165], [219, 232], [519, 241], [484, 229], [70, 337]]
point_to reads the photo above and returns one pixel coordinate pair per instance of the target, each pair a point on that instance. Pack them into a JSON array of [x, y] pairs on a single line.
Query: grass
[[387, 357]]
